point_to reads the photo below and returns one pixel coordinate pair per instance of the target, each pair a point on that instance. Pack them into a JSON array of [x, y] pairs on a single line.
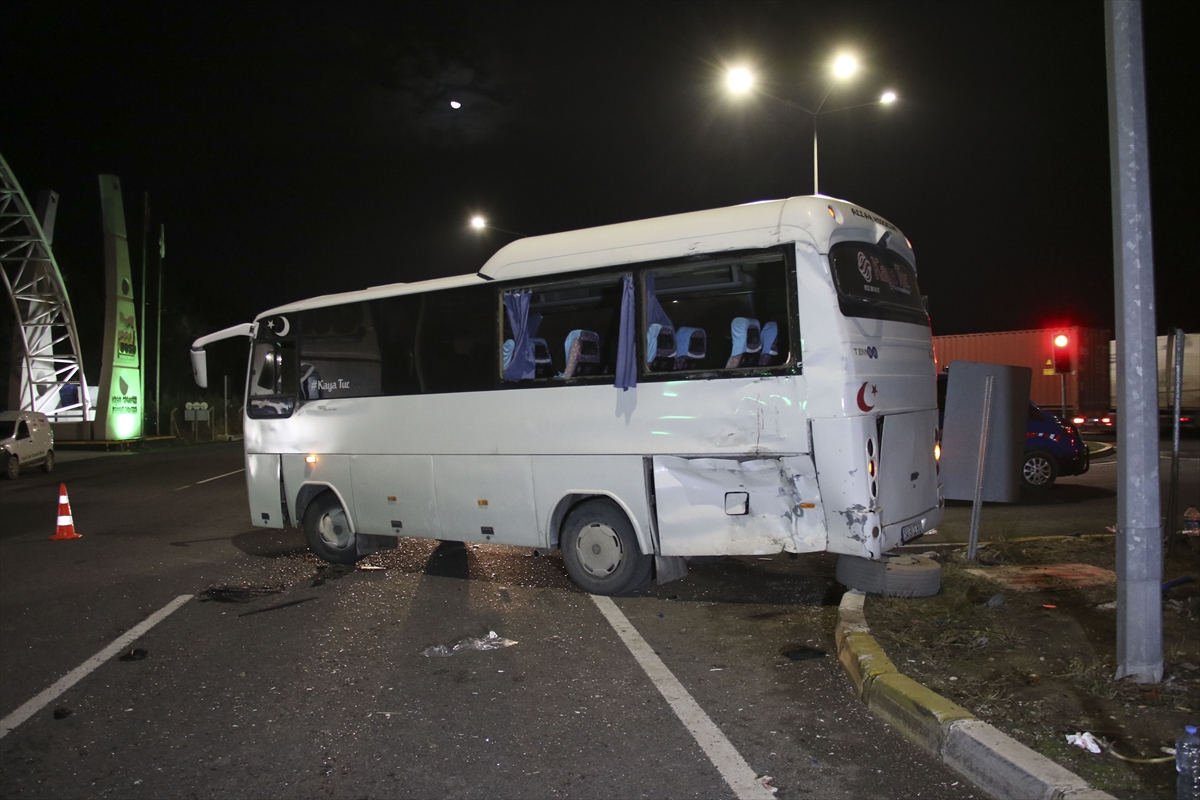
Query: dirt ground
[[1039, 665]]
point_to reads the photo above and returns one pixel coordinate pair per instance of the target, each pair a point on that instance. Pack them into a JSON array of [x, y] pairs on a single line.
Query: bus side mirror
[[200, 366]]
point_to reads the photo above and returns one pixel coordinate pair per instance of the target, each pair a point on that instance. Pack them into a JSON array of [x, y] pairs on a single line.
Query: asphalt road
[[321, 689]]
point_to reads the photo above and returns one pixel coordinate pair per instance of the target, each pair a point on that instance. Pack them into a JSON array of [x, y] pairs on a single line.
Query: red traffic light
[[1062, 353]]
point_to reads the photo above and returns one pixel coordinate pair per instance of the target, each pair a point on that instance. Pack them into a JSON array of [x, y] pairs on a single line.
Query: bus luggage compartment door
[[726, 506], [262, 482]]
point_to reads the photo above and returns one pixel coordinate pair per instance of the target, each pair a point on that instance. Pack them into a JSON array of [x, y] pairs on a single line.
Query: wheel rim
[[13, 466], [599, 549], [1037, 470], [334, 529]]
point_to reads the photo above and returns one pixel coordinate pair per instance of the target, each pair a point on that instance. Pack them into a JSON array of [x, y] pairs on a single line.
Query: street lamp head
[[455, 104], [888, 97], [844, 66], [478, 222], [739, 80]]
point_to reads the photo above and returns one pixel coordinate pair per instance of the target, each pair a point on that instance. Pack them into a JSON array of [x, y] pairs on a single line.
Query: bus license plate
[[910, 531]]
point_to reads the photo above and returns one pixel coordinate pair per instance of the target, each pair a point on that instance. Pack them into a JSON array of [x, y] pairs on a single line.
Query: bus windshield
[[877, 283]]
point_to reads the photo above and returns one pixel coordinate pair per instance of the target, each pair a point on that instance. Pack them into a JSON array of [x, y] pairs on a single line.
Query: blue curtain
[[520, 366], [627, 343]]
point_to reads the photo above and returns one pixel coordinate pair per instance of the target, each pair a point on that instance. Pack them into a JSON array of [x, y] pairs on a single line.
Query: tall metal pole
[[1175, 349], [162, 252], [1139, 528], [814, 154], [142, 331]]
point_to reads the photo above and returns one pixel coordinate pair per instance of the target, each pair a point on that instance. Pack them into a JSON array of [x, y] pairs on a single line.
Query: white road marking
[[712, 741], [73, 677], [226, 475]]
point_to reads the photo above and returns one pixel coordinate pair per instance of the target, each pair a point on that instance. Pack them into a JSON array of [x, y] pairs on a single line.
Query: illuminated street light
[[455, 104], [845, 66], [479, 222], [741, 81]]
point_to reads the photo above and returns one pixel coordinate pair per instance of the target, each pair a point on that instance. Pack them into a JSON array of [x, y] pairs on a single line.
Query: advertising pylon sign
[[119, 406]]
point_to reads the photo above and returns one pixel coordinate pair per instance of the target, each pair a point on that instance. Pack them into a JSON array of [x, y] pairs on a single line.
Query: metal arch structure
[[52, 360]]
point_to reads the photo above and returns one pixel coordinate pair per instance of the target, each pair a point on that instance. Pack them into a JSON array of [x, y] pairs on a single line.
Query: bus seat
[[542, 363], [660, 347], [583, 353], [770, 342], [747, 342], [691, 345]]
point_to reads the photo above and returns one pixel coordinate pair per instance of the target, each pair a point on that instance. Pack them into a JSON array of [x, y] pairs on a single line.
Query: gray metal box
[[962, 424]]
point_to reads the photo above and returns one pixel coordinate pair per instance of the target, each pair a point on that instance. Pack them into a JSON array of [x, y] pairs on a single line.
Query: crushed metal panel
[[262, 481], [841, 461], [782, 506]]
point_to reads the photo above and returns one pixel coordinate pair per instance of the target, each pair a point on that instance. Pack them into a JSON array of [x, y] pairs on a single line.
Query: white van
[[26, 440]]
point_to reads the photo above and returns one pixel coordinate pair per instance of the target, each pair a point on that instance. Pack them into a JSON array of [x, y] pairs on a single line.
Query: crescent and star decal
[[862, 396], [287, 326]]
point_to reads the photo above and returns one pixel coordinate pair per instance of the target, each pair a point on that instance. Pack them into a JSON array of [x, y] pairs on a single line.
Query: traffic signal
[[1062, 353]]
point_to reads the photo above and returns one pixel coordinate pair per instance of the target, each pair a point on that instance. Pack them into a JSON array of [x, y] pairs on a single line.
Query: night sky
[[298, 149]]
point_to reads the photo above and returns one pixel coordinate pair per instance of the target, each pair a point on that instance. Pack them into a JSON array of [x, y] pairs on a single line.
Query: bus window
[[396, 327], [573, 327], [876, 283], [339, 353], [724, 315], [273, 381], [456, 340]]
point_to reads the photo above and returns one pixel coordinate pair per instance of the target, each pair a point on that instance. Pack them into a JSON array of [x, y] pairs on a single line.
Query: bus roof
[[820, 220], [711, 231]]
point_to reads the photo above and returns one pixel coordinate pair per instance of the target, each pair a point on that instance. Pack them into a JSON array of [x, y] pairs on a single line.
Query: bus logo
[[862, 396], [864, 266]]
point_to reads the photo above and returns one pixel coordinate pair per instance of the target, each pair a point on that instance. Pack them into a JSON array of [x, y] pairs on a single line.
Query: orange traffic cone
[[66, 526]]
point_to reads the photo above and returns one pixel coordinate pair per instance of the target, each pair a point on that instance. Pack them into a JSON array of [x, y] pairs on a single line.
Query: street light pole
[[740, 81]]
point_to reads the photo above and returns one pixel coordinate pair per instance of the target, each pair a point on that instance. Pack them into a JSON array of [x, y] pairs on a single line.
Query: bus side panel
[[394, 495], [486, 499], [620, 477], [262, 484], [723, 506], [840, 453], [332, 471]]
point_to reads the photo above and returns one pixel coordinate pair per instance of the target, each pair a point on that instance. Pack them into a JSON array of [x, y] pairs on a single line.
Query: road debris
[[1085, 741], [136, 654], [493, 641], [237, 594]]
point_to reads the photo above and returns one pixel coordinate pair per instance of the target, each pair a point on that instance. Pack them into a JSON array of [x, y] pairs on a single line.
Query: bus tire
[[900, 575], [327, 531], [1038, 471], [600, 549]]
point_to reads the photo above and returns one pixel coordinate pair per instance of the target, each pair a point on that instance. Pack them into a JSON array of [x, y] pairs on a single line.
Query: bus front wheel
[[600, 549], [327, 531]]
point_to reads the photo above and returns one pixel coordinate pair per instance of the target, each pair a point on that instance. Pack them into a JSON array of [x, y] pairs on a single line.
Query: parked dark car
[[1052, 448]]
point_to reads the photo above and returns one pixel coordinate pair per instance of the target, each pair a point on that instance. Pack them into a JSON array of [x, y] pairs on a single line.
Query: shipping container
[[1084, 388], [1189, 387]]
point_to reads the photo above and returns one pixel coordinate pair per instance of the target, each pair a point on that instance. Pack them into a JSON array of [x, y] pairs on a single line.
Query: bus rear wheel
[[327, 531], [600, 549]]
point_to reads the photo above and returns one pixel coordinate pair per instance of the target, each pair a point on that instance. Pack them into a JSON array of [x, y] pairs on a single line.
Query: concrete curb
[[994, 761]]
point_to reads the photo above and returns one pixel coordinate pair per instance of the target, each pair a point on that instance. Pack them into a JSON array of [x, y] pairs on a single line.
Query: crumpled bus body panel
[[727, 506]]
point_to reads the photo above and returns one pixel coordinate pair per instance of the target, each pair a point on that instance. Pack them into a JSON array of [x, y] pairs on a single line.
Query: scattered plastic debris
[[804, 653], [765, 782], [1191, 522], [995, 601], [981, 642], [1112, 606], [1084, 740], [237, 594], [1049, 606], [136, 654], [493, 641]]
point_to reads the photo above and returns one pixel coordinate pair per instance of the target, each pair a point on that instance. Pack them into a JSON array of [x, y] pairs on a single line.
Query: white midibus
[[744, 380]]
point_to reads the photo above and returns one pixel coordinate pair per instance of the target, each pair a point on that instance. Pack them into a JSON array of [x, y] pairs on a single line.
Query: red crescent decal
[[862, 400]]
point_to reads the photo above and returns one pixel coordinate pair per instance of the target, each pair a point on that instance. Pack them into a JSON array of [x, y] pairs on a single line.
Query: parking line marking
[[720, 751], [226, 475], [73, 677]]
